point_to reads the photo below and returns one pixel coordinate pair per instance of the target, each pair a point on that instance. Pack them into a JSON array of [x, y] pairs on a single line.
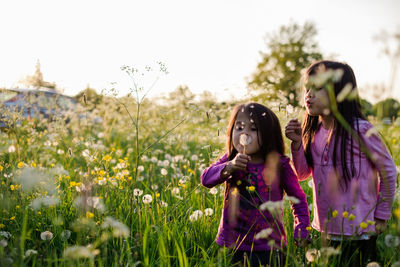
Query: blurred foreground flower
[[264, 234], [392, 241], [147, 199], [208, 212], [197, 214], [119, 229], [80, 252], [30, 252], [44, 201], [312, 254]]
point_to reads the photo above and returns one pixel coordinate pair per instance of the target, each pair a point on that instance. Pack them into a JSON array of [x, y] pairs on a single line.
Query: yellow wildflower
[[363, 225], [89, 215], [157, 194], [251, 188], [12, 218], [17, 207], [39, 213], [2, 226], [239, 182], [351, 217], [12, 187], [20, 165], [1, 168], [345, 214], [334, 214], [107, 158], [73, 183], [396, 212], [33, 164], [309, 228]]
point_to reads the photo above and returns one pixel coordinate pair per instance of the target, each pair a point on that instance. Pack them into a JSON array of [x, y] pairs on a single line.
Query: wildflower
[[154, 187], [11, 149], [89, 215], [334, 214], [251, 188], [345, 214], [208, 212], [330, 251], [309, 228], [197, 214], [5, 234], [3, 243], [363, 225], [396, 213], [351, 217], [163, 204], [30, 252], [392, 241], [239, 182], [1, 168], [140, 168], [137, 192], [78, 252], [291, 199], [44, 201], [264, 234], [12, 187], [158, 195], [373, 264], [107, 158], [194, 158], [2, 226], [312, 254], [20, 165], [119, 229], [46, 235], [147, 199], [175, 191], [66, 234], [213, 191], [12, 218], [164, 172], [60, 151]]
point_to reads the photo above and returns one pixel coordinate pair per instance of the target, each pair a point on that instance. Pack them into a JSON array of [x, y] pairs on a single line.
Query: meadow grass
[[83, 194]]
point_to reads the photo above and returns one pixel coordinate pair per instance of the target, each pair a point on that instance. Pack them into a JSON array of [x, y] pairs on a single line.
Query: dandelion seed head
[[312, 254], [147, 199], [46, 235], [213, 191], [137, 192], [208, 212]]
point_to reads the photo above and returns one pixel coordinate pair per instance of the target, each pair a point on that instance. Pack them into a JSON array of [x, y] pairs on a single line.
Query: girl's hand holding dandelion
[[293, 132]]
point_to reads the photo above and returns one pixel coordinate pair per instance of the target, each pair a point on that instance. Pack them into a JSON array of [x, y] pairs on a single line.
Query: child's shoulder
[[363, 125]]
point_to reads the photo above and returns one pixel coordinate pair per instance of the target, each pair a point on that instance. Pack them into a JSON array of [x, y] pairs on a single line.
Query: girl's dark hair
[[267, 124], [350, 109]]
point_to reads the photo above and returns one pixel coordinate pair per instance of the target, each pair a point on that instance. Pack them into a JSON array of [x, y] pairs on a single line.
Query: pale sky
[[207, 45]]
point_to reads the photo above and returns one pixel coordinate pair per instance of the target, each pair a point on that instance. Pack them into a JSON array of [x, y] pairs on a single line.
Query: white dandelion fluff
[[208, 212], [245, 139], [46, 235], [147, 199]]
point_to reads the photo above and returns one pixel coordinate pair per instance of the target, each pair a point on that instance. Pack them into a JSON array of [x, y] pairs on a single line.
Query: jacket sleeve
[[386, 168], [300, 163], [299, 203], [212, 175]]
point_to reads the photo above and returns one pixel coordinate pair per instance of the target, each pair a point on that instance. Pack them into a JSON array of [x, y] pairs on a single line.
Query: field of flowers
[[127, 192]]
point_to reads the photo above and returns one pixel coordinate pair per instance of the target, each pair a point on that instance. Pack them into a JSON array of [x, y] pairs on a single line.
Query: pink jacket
[[366, 197]]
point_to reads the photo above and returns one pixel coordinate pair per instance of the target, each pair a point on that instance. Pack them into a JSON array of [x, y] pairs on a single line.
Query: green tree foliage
[[36, 80], [93, 99], [290, 50], [388, 108], [366, 107]]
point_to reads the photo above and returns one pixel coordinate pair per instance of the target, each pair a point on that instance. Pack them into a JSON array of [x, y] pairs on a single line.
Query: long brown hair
[[350, 109], [267, 124]]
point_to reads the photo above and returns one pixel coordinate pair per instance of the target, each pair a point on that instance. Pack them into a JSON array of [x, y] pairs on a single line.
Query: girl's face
[[244, 125], [317, 102]]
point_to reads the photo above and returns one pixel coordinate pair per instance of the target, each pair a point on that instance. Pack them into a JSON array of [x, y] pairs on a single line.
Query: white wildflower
[[264, 234], [140, 168], [5, 234], [213, 191], [164, 172], [44, 201], [208, 212], [147, 199], [46, 235], [197, 214], [244, 139], [119, 229], [312, 254], [30, 252], [3, 243], [154, 187], [11, 149], [291, 199], [66, 234], [392, 241], [60, 151], [175, 191], [194, 158], [78, 252], [163, 204], [137, 192]]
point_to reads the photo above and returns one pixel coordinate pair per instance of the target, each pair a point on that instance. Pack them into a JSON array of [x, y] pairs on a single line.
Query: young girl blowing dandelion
[[256, 174], [338, 146]]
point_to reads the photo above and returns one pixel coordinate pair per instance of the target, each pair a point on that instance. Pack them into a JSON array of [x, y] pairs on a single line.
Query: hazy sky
[[207, 45]]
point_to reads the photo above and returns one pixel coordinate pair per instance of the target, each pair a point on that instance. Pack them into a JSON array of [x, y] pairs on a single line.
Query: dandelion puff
[[11, 149], [46, 235], [163, 204], [312, 254], [30, 252], [208, 212], [392, 241], [373, 264], [245, 139], [140, 168], [194, 158], [5, 234], [291, 199], [197, 214], [44, 201], [137, 192], [78, 252], [60, 151], [3, 243], [175, 191], [330, 251], [396, 264], [66, 234], [263, 234], [147, 199], [213, 191], [154, 187], [164, 172], [119, 229]]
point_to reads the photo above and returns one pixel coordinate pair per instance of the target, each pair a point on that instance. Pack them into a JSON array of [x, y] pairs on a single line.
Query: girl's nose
[[309, 93]]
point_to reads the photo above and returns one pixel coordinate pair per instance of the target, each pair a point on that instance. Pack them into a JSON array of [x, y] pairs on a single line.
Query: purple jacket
[[366, 197], [242, 218]]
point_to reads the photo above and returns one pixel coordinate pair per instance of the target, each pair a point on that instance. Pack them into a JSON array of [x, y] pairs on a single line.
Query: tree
[[93, 99], [290, 50], [36, 80]]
